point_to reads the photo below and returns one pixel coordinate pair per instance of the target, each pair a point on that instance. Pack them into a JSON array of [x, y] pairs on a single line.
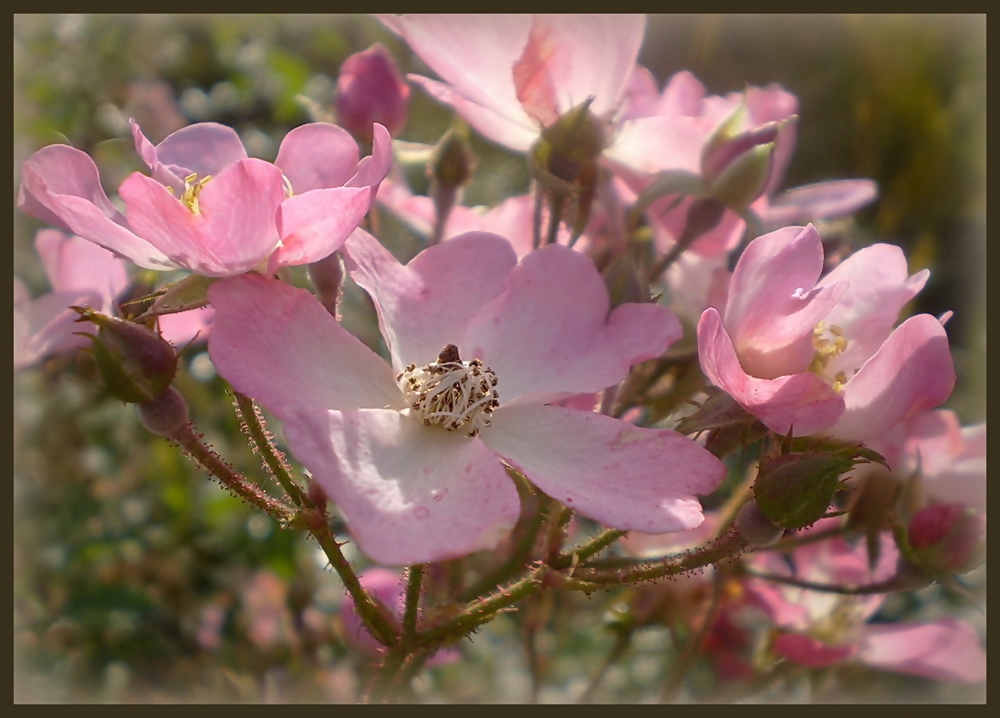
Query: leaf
[[189, 293]]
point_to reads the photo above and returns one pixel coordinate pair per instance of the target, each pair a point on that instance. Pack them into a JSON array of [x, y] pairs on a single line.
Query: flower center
[[192, 188], [829, 342], [460, 396]]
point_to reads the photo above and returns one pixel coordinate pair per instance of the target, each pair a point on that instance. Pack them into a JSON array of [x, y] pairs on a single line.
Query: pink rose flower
[[821, 629], [209, 208], [411, 453], [808, 355]]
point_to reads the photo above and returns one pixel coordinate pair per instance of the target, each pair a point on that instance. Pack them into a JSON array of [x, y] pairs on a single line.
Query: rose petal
[[822, 200], [911, 372], [317, 156], [803, 402], [75, 265], [429, 302], [47, 325], [550, 332], [641, 95], [183, 327], [944, 650], [409, 493], [278, 344], [772, 307], [656, 144], [682, 96], [204, 148], [608, 470], [61, 185]]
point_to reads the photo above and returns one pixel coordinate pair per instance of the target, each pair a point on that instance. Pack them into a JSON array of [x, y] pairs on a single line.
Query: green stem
[[485, 609], [375, 620], [622, 641], [668, 566], [412, 605], [873, 588], [381, 688], [228, 477], [279, 470], [792, 542], [588, 549]]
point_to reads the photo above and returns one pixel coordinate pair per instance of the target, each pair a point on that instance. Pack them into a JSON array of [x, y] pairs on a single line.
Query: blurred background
[[137, 579]]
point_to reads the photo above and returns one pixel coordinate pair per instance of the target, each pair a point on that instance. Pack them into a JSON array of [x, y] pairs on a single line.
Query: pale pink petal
[[682, 96], [61, 185], [668, 226], [160, 218], [944, 650], [656, 144], [517, 134], [317, 156], [314, 225], [810, 652], [76, 265], [772, 307], [551, 332], [277, 344], [878, 287], [429, 302], [822, 200], [641, 95], [372, 169], [183, 327], [475, 54], [205, 148], [577, 68], [803, 401], [49, 325], [963, 479], [409, 493], [913, 371], [696, 283], [238, 207], [618, 474]]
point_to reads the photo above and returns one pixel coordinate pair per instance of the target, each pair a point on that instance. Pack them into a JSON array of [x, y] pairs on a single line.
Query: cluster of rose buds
[[544, 355]]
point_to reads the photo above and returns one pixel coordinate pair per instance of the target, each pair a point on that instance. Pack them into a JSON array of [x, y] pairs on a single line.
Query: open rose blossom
[[820, 629], [481, 346], [812, 355], [209, 208]]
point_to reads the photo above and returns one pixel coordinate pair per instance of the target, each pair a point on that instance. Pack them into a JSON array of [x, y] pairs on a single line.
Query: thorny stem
[[794, 541], [191, 443], [412, 604], [675, 678], [381, 687], [374, 619], [250, 414], [667, 566], [588, 549]]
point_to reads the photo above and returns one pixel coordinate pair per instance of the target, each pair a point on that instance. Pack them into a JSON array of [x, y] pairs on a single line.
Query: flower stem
[[892, 584], [275, 463], [211, 462], [555, 217], [588, 549], [412, 604]]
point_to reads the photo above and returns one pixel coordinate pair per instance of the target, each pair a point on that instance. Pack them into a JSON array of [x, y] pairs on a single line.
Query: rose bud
[[948, 538], [370, 89]]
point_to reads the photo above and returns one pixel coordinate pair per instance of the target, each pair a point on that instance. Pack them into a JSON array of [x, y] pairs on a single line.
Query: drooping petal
[[944, 650], [588, 56], [76, 265], [61, 185], [822, 200], [277, 344], [624, 476], [317, 156], [772, 306], [429, 302], [409, 493], [811, 652], [475, 54], [911, 372], [801, 401], [878, 287], [550, 332]]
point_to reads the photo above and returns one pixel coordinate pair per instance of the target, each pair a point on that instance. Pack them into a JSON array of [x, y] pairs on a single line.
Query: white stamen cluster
[[460, 396]]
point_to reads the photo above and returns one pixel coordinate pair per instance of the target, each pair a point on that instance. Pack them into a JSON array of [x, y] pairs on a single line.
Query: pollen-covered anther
[[826, 348], [192, 188], [456, 395]]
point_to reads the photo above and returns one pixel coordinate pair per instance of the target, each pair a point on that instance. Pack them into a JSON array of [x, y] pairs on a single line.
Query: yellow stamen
[[192, 188]]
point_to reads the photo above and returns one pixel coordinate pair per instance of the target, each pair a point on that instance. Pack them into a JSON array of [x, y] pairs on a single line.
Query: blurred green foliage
[[138, 579]]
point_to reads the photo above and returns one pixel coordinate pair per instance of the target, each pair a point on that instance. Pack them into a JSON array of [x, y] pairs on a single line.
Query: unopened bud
[[755, 528], [166, 415], [369, 90], [736, 163], [136, 364], [948, 538], [568, 145], [795, 490]]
